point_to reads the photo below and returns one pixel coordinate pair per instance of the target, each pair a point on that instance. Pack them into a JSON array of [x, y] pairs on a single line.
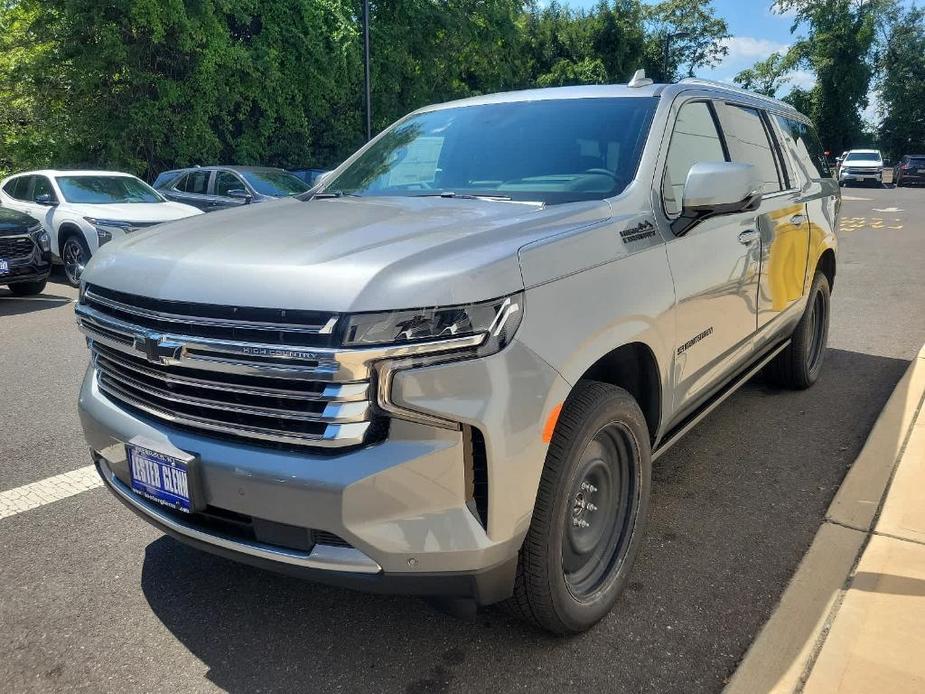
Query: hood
[[136, 211], [341, 254], [13, 222]]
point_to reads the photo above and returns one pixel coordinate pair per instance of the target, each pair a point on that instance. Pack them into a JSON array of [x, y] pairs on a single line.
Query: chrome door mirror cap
[[717, 188], [720, 187]]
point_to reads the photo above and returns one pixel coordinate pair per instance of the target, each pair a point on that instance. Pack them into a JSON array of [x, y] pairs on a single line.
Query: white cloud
[[744, 51]]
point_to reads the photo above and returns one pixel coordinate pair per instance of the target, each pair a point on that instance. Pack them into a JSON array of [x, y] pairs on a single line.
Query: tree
[[839, 50], [901, 65], [695, 37], [767, 76]]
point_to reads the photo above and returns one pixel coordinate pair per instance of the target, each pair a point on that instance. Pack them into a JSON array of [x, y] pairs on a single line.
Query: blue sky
[[756, 32]]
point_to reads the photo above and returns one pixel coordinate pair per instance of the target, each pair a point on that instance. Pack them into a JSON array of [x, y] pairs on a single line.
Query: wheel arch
[[66, 230], [633, 367], [826, 265]]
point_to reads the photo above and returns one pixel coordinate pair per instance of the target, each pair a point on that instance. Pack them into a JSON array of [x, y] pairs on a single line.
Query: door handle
[[797, 220], [749, 235]]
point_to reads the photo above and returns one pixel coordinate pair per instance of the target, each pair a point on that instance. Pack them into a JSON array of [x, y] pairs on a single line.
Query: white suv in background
[[82, 210], [861, 166]]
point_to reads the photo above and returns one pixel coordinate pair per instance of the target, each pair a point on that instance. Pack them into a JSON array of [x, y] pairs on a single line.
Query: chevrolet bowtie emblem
[[156, 349]]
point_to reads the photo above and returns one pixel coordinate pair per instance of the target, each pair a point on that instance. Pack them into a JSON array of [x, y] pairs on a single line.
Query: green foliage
[[146, 85], [839, 51], [902, 76], [694, 35], [767, 76]]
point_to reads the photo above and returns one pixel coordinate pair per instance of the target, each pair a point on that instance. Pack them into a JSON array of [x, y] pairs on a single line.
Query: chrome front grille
[[241, 372], [16, 247]]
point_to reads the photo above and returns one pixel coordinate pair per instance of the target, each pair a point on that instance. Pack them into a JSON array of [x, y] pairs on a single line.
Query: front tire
[[28, 288], [75, 255], [799, 366], [590, 512]]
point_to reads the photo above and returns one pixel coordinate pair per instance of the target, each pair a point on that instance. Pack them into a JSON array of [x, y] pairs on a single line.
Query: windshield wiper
[[464, 196], [335, 194]]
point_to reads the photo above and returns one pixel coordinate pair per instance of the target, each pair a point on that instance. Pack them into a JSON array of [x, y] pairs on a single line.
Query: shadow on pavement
[[735, 506]]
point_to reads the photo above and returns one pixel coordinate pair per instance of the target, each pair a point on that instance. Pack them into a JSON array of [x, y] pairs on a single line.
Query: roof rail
[[737, 89]]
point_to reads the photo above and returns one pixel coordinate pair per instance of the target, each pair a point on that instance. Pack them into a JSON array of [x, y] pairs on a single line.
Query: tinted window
[[555, 150], [277, 184], [862, 156], [225, 182], [18, 188], [917, 162], [749, 144], [196, 183], [42, 186], [695, 139], [164, 178], [103, 190], [804, 146]]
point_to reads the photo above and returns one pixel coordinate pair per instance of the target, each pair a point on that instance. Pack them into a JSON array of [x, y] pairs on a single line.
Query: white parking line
[[48, 490]]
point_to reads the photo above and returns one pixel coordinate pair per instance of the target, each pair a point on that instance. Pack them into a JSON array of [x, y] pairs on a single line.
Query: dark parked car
[[25, 253], [910, 169], [218, 187]]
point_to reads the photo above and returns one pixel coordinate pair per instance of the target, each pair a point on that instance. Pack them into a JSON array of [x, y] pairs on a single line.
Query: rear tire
[[798, 366], [28, 288], [590, 512]]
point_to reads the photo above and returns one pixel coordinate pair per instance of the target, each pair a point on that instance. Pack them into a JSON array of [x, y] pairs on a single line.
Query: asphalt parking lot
[[93, 599]]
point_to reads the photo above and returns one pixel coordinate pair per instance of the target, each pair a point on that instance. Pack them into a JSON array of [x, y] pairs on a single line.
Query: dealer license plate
[[159, 477]]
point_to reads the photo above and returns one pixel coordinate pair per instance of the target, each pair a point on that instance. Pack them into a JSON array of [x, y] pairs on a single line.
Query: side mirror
[[240, 194], [45, 199], [717, 188]]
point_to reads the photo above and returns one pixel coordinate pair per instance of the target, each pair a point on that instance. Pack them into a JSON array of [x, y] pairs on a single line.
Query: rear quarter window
[[805, 148]]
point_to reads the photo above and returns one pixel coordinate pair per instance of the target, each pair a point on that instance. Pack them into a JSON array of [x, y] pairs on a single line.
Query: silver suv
[[447, 371]]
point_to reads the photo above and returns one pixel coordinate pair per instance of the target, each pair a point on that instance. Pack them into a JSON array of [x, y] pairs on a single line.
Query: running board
[[712, 403]]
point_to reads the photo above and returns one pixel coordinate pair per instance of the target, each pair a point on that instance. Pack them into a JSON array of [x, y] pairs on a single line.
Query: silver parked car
[[447, 371]]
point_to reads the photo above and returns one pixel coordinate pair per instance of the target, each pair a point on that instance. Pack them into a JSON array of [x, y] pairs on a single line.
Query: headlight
[[496, 320], [431, 336], [41, 237]]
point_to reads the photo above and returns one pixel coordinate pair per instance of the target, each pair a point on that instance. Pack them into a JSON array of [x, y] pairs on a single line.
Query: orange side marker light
[[551, 423]]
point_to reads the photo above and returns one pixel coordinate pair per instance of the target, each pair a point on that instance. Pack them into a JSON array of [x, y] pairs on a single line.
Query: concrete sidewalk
[[853, 617]]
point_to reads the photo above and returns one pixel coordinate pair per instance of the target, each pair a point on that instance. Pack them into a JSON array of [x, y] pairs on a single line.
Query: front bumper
[[401, 504], [861, 177], [32, 268]]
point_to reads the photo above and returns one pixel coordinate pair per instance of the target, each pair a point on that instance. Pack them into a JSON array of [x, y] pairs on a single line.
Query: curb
[[781, 657]]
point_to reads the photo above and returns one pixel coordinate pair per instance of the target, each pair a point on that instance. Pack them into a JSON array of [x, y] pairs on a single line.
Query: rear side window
[[196, 183], [749, 143], [695, 139], [18, 188], [804, 146]]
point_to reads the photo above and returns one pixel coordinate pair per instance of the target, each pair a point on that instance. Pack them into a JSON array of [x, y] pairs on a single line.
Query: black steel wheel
[[590, 512], [75, 255], [603, 499], [799, 366]]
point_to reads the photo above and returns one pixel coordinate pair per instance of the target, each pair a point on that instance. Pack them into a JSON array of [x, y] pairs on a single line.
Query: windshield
[[277, 184], [549, 151], [106, 190], [862, 156]]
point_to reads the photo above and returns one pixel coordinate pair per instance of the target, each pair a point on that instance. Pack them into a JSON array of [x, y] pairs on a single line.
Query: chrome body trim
[[240, 388]]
